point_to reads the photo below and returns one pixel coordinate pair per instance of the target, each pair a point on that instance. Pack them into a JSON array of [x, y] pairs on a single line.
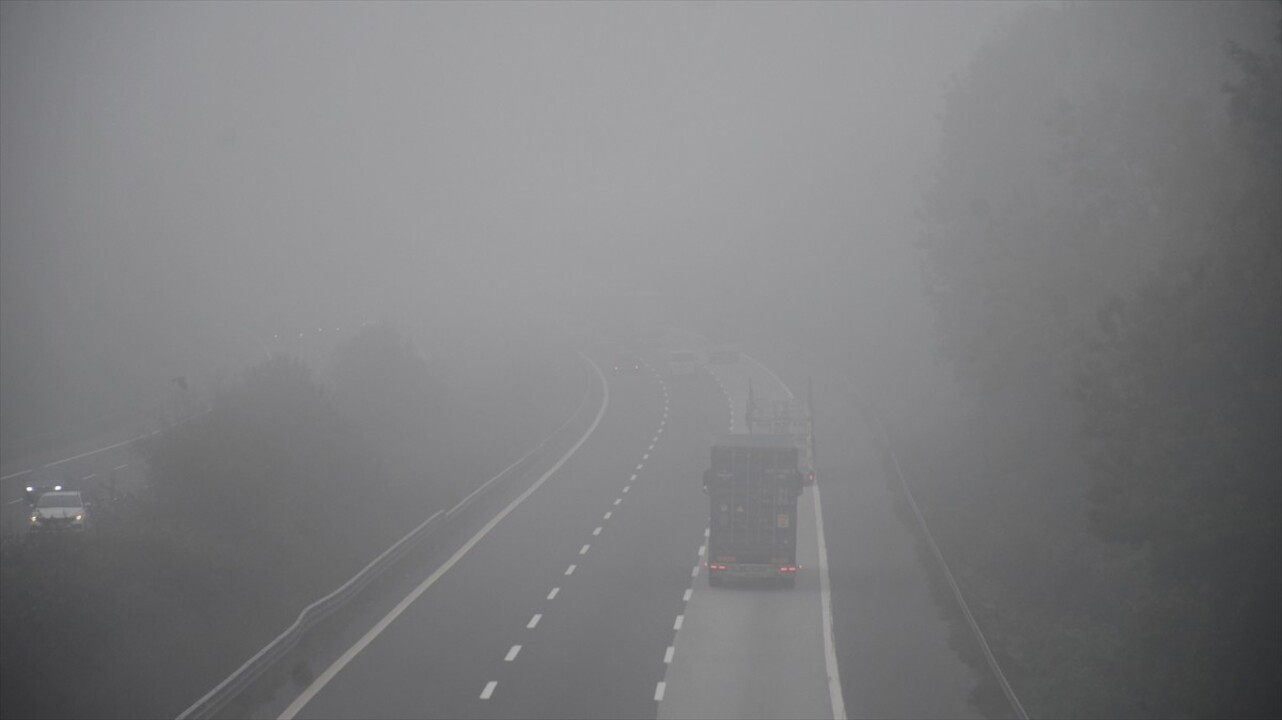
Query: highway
[[567, 607], [588, 599]]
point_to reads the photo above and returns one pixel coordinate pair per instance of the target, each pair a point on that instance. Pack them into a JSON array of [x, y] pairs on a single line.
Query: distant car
[[62, 510], [683, 363], [627, 362]]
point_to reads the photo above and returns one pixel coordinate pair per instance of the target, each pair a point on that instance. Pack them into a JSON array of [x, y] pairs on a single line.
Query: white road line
[[825, 602], [552, 595], [627, 488], [655, 439], [597, 531], [686, 596], [645, 456], [489, 689], [667, 655], [584, 550], [633, 478], [707, 532], [825, 588], [658, 691], [639, 466], [354, 650], [534, 621], [702, 548], [90, 476], [77, 457], [570, 570], [15, 501], [121, 467], [617, 501], [694, 572], [511, 654], [607, 515], [677, 625]]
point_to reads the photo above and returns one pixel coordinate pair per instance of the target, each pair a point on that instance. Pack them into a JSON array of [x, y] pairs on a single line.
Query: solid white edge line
[[337, 666], [825, 602], [825, 588]]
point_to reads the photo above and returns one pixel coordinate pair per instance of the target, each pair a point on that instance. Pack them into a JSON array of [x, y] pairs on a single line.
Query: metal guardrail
[[231, 687], [993, 665]]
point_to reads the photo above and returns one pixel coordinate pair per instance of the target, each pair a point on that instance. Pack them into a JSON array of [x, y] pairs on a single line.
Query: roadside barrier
[[233, 685]]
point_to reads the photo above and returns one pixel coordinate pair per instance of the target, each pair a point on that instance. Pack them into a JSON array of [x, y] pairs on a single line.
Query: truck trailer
[[753, 485]]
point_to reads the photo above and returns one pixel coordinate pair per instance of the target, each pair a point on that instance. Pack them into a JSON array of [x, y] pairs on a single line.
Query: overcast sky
[[211, 166]]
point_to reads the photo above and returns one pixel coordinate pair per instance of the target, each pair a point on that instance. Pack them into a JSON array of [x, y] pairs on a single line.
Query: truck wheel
[[714, 580]]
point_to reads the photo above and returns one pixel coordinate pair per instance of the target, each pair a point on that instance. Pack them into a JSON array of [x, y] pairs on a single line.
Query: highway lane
[[753, 652], [566, 608], [94, 470], [897, 652]]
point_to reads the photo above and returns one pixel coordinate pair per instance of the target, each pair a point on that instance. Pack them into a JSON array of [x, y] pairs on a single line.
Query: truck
[[753, 485], [792, 418]]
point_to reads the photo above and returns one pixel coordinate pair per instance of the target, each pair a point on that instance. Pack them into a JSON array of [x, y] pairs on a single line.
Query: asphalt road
[[589, 598], [897, 652], [754, 652], [566, 608]]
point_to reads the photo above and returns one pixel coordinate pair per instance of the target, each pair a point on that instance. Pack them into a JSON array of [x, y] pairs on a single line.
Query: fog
[[179, 178], [1001, 222]]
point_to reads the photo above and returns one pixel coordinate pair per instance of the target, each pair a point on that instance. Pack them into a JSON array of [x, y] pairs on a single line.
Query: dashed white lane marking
[[534, 621], [552, 595], [707, 532], [14, 501], [694, 572], [597, 531], [667, 655], [121, 467], [627, 488], [90, 476], [618, 501], [677, 625], [607, 515], [489, 689], [658, 691], [651, 447], [654, 440], [640, 465], [633, 478], [570, 570], [686, 596], [645, 456], [584, 550], [511, 654], [702, 548]]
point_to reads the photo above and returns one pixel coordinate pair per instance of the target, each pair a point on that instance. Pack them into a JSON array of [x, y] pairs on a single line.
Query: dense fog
[[1042, 239]]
